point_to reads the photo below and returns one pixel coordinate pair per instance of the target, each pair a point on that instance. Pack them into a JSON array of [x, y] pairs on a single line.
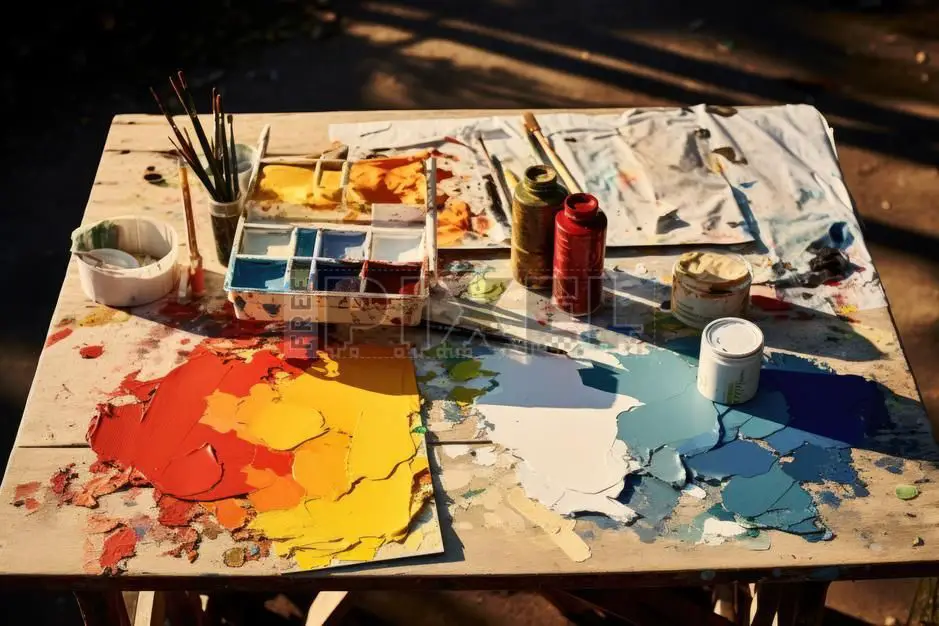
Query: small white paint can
[[729, 365], [708, 285]]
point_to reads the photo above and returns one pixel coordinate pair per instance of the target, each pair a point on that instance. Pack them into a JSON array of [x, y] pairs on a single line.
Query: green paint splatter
[[466, 395], [427, 377], [472, 493], [420, 430], [906, 492], [465, 370]]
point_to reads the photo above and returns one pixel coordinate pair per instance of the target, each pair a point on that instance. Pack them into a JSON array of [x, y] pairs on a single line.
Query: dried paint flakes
[[57, 336], [175, 512], [24, 496], [61, 481], [559, 529]]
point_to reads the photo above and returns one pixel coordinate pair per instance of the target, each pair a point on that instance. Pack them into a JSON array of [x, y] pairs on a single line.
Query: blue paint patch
[[829, 498], [342, 245], [653, 500], [765, 414], [259, 274], [737, 458], [271, 309], [748, 184], [590, 336], [752, 496], [892, 464], [794, 363]]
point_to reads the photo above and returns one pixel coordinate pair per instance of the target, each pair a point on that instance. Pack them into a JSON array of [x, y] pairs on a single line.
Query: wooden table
[[877, 536]]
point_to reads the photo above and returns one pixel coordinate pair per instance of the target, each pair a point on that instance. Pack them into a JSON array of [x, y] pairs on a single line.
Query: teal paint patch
[[752, 496], [737, 458], [813, 464], [653, 500], [765, 414], [666, 465]]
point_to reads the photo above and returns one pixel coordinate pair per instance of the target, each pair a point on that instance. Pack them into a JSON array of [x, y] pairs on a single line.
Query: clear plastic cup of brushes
[[225, 216]]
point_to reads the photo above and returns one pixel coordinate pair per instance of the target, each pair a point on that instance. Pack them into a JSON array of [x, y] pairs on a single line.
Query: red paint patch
[[174, 512], [180, 312], [62, 480], [91, 352], [101, 485], [184, 342], [162, 436], [23, 496], [119, 545], [770, 304], [58, 336], [100, 524]]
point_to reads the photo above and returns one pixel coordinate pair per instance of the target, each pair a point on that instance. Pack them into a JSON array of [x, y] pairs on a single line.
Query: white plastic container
[[710, 285], [139, 236], [729, 365]]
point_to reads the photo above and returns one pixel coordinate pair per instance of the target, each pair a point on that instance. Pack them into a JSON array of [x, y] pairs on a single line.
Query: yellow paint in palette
[[293, 184], [357, 481]]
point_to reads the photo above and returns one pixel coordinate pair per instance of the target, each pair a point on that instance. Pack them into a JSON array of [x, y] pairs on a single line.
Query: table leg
[[102, 608], [789, 604]]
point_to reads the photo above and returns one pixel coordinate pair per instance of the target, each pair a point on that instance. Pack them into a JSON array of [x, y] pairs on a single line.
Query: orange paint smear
[[58, 336], [23, 496], [91, 352], [453, 222], [229, 512]]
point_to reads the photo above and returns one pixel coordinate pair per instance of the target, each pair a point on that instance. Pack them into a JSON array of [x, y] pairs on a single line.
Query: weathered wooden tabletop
[[487, 542]]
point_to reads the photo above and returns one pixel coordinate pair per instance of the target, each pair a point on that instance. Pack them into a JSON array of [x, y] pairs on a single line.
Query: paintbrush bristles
[[531, 123], [219, 174]]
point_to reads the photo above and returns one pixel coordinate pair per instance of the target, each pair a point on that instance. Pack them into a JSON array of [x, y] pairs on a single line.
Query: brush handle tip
[[530, 122]]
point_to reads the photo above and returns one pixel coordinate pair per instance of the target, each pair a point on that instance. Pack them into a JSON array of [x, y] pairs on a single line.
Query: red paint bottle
[[579, 250]]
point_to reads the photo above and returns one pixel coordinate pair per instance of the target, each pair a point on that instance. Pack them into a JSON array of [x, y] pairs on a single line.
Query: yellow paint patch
[[559, 529], [104, 315], [282, 492]]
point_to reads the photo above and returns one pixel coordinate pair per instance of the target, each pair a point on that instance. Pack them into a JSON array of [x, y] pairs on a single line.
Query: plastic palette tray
[[343, 261]]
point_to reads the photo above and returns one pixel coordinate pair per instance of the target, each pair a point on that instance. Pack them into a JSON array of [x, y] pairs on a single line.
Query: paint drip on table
[[316, 461], [639, 447]]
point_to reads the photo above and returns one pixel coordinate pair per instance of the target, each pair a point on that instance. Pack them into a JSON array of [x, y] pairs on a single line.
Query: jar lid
[[733, 337], [581, 206]]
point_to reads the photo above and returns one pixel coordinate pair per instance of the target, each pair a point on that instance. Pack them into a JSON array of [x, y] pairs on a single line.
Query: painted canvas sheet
[[320, 460]]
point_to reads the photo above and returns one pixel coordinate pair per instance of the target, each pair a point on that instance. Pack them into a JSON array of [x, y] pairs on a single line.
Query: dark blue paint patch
[[590, 336], [829, 498], [748, 184], [737, 458], [892, 464], [653, 500], [630, 330], [825, 409], [259, 274], [838, 236], [342, 245], [794, 363], [271, 309], [687, 347], [813, 464], [337, 276]]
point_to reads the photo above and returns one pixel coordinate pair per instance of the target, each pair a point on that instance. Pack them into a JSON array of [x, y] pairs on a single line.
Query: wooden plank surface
[[488, 542]]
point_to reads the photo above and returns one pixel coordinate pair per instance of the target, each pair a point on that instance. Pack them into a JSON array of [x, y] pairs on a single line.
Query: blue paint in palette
[[306, 241], [259, 274], [342, 245]]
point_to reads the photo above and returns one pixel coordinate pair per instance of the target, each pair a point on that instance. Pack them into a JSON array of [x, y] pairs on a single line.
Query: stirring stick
[[195, 259], [531, 124]]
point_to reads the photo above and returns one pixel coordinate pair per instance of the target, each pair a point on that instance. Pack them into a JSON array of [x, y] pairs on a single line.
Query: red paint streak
[[30, 504], [58, 336], [174, 512], [161, 435], [834, 282], [119, 545], [184, 342], [91, 352], [770, 304], [180, 312]]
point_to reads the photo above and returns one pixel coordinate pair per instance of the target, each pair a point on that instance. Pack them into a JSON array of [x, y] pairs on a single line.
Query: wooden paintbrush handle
[[563, 172]]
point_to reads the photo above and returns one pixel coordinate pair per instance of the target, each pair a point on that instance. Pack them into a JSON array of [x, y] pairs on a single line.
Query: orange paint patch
[[453, 222], [57, 336], [274, 492], [320, 465], [229, 512]]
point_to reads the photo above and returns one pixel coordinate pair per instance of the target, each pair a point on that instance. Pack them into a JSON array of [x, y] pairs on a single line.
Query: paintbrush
[[496, 192], [492, 336], [196, 271], [534, 129]]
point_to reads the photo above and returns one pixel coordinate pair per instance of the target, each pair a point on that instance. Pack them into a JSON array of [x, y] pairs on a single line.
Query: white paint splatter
[[715, 531]]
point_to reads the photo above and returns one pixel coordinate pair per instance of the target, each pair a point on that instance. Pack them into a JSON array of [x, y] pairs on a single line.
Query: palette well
[[277, 257]]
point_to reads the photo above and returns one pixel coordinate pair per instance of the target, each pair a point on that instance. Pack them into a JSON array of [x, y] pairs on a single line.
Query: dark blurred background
[[869, 65]]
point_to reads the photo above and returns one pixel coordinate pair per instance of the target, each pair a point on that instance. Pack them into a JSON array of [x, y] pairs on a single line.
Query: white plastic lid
[[733, 337]]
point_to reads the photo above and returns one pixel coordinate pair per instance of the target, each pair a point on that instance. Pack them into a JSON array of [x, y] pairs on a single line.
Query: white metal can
[[708, 285], [729, 365]]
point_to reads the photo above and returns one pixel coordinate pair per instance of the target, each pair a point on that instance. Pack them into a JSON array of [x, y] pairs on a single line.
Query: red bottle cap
[[581, 206]]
